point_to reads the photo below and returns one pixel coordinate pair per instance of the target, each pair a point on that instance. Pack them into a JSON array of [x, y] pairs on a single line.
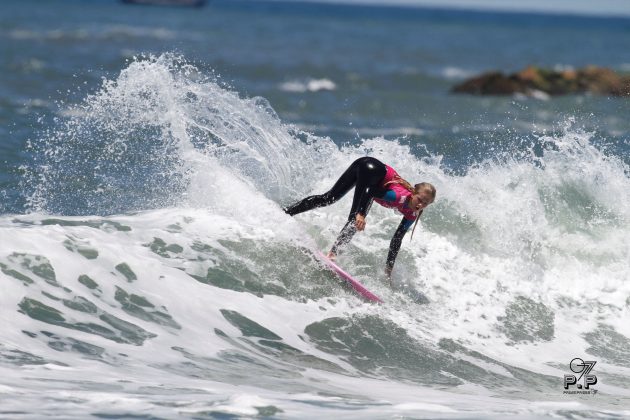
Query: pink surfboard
[[355, 284]]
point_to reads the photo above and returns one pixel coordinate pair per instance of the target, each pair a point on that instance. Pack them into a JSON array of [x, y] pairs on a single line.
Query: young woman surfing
[[373, 181]]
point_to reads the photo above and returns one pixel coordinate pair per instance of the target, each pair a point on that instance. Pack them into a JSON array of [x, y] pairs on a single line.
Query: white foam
[[456, 73], [309, 85]]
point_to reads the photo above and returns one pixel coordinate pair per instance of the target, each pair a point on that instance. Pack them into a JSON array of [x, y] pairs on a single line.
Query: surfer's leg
[[370, 174], [344, 184], [346, 234]]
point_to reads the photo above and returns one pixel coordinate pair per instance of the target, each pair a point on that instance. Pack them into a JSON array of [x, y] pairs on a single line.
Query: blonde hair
[[415, 189]]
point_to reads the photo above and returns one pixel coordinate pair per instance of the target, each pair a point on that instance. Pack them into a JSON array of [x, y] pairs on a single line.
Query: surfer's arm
[[394, 245], [379, 193]]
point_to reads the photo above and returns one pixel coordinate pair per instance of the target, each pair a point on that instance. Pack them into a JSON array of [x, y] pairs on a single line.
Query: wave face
[[157, 258]]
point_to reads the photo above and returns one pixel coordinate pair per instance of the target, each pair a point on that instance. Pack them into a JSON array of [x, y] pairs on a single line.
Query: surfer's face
[[420, 200]]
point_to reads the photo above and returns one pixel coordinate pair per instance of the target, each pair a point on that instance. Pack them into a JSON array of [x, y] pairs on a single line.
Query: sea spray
[[136, 143]]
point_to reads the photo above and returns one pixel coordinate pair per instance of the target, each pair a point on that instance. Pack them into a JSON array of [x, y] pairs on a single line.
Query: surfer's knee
[[329, 198]]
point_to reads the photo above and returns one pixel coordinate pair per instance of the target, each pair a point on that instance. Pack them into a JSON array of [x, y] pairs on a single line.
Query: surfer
[[373, 181]]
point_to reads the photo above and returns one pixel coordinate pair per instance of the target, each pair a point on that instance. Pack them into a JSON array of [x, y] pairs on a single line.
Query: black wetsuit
[[366, 174]]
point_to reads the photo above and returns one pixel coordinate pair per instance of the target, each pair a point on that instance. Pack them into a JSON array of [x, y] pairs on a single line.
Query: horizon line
[[410, 4]]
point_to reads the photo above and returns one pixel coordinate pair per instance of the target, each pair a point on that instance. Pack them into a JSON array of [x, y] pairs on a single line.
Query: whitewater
[[155, 274]]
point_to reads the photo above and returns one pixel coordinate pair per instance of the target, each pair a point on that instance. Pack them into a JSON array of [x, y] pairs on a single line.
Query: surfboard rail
[[355, 284]]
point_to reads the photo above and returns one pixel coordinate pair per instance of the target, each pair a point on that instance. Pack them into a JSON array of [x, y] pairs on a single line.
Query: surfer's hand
[[359, 221], [388, 273]]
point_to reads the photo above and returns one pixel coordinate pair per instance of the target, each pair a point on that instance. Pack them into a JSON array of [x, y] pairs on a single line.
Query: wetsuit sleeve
[[394, 245]]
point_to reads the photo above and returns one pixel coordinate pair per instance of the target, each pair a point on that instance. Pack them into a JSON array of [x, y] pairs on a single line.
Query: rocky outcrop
[[533, 80]]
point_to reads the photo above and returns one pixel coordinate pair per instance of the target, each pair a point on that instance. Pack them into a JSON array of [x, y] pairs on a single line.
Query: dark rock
[[590, 79]]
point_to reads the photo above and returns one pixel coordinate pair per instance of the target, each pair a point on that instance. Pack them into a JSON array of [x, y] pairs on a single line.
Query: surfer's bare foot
[[332, 256]]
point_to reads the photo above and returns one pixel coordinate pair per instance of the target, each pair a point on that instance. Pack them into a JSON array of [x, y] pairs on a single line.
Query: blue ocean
[[148, 270]]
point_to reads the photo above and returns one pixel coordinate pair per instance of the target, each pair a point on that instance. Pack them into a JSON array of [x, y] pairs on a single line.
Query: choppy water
[[148, 270]]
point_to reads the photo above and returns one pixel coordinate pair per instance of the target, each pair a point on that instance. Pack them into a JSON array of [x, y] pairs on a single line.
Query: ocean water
[[149, 272]]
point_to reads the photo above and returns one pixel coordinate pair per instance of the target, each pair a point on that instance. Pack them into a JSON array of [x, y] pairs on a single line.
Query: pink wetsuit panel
[[402, 194]]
